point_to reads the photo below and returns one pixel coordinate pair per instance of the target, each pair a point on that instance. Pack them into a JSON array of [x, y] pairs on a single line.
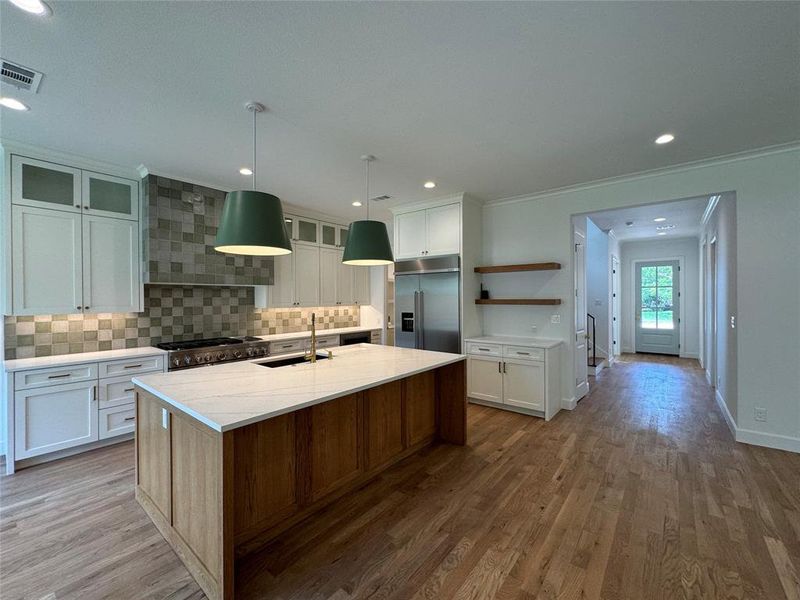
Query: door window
[[656, 297]]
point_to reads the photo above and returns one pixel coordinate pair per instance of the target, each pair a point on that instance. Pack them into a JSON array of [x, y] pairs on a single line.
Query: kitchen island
[[228, 457]]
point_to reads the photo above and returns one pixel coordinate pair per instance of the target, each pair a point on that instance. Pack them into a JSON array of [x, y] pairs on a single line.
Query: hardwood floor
[[639, 493]]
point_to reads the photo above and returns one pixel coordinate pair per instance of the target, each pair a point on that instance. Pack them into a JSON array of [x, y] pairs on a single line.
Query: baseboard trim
[[726, 413], [59, 454], [508, 407], [769, 440], [708, 377], [581, 390], [755, 438], [569, 403], [694, 355]]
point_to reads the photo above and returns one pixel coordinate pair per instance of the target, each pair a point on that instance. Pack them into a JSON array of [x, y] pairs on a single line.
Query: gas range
[[200, 353]]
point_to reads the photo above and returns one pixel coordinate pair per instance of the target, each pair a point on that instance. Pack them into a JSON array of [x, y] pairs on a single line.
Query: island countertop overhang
[[226, 397]]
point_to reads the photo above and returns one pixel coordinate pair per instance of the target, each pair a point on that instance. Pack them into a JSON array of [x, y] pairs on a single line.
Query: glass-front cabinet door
[[343, 231], [307, 230], [288, 223], [328, 235], [45, 185], [108, 196]]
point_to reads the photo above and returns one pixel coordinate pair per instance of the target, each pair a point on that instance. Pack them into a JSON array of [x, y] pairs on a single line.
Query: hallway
[[639, 493]]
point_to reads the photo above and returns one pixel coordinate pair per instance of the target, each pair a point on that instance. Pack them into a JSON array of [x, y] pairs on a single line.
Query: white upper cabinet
[[428, 232], [329, 260], [282, 293], [443, 230], [45, 185], [306, 275], [111, 268], [410, 234], [68, 254], [110, 196], [46, 261], [344, 283], [361, 285]]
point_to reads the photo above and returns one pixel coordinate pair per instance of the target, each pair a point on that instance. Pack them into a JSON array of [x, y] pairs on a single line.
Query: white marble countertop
[[513, 340], [277, 337], [60, 360], [233, 395]]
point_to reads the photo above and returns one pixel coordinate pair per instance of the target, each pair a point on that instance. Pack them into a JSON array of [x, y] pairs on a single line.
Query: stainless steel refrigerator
[[427, 304]]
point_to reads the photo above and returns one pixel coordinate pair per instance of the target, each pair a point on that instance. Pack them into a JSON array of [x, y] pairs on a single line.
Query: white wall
[[767, 187], [597, 284], [684, 248]]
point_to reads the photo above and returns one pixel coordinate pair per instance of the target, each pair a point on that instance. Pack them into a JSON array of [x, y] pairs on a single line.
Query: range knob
[[187, 359], [220, 356], [237, 354], [176, 361], [208, 357], [251, 351]]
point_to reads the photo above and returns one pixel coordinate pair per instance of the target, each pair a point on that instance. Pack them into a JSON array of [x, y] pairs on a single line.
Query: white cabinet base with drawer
[[514, 377], [115, 421]]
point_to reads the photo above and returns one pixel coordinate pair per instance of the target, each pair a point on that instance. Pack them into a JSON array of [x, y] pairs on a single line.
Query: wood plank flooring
[[639, 493]]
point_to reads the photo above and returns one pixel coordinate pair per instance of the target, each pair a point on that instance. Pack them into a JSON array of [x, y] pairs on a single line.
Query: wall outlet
[[760, 414], [533, 328], [555, 319]]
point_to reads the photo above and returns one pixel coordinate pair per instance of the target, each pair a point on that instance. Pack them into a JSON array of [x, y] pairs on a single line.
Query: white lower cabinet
[[54, 418], [514, 376], [485, 379], [523, 384]]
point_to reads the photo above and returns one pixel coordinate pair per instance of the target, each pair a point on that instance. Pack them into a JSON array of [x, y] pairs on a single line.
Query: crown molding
[[629, 177]]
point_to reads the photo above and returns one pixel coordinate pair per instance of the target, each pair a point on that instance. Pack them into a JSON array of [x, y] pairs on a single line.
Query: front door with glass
[[658, 307]]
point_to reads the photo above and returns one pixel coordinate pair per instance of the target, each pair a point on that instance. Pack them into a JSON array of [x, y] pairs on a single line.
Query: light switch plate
[[760, 414], [555, 319]]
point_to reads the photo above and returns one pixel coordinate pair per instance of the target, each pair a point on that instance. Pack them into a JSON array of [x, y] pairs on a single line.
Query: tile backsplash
[[171, 313], [180, 225]]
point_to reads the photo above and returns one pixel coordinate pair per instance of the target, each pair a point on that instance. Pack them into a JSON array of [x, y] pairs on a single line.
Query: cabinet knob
[[77, 206], [85, 308], [85, 207], [78, 307]]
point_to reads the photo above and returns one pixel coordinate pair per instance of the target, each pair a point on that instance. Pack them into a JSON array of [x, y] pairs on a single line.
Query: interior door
[[581, 357], [440, 312], [615, 304], [658, 307]]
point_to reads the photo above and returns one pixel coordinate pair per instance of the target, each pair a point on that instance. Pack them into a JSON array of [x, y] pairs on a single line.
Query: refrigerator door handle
[[421, 318], [417, 316]]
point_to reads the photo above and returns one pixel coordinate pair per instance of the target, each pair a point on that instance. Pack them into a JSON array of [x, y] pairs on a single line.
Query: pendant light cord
[[255, 112], [366, 187]]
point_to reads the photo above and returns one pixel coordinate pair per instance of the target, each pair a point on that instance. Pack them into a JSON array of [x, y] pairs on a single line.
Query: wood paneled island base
[[217, 496]]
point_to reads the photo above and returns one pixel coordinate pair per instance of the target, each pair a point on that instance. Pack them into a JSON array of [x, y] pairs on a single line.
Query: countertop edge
[[276, 413], [77, 358], [510, 340]]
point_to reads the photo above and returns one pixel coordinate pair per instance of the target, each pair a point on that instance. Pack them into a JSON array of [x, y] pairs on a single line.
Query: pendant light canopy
[[367, 241], [252, 222]]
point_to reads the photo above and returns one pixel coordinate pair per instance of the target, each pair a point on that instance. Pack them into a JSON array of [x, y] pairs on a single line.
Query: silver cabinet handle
[[485, 349], [131, 366], [504, 367], [128, 389], [59, 376], [130, 418], [524, 353], [498, 367]]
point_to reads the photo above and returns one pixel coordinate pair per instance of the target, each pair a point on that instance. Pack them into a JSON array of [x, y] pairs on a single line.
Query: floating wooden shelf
[[546, 266], [531, 301]]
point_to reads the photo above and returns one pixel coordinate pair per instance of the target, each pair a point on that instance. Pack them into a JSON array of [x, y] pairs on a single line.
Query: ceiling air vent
[[19, 76], [380, 198]]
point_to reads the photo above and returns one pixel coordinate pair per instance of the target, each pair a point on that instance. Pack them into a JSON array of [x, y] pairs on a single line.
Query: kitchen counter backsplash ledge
[[170, 313]]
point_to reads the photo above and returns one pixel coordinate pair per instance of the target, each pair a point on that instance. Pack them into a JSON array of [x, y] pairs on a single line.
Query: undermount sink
[[288, 362]]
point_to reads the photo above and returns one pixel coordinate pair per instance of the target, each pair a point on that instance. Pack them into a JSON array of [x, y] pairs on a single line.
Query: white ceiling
[[496, 99], [685, 215]]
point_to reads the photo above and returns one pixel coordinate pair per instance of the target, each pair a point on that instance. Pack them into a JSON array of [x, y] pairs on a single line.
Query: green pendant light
[[367, 241], [252, 222]]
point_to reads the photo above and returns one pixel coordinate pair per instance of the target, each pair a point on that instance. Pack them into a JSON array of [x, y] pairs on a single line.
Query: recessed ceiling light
[[13, 103], [429, 185], [660, 219], [246, 171], [356, 203], [35, 7], [662, 233], [665, 138]]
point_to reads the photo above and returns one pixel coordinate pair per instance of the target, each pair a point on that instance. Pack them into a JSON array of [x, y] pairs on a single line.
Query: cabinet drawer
[[116, 421], [330, 341], [132, 366], [287, 346], [375, 337], [523, 353], [116, 391], [484, 349], [25, 380]]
